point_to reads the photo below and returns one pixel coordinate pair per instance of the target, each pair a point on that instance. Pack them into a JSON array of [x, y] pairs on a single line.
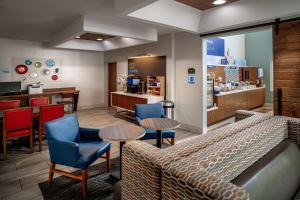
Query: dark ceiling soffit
[[276, 22]]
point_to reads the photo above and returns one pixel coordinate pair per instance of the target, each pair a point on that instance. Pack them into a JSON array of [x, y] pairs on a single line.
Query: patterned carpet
[[100, 186]]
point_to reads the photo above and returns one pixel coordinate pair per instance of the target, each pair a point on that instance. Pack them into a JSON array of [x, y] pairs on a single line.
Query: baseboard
[[268, 105], [191, 128], [91, 106]]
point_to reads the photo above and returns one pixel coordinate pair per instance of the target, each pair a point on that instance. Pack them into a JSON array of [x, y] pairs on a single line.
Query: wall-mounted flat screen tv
[[10, 87]]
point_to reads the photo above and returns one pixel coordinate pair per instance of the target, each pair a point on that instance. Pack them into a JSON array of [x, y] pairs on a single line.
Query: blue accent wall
[[259, 53]]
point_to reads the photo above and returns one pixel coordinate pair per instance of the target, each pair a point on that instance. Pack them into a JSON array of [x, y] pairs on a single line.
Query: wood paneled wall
[[287, 68]]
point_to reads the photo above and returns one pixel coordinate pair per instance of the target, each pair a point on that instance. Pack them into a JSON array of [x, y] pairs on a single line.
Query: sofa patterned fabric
[[202, 167], [145, 183]]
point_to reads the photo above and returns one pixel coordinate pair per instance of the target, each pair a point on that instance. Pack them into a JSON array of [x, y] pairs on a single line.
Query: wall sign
[[215, 47], [191, 76]]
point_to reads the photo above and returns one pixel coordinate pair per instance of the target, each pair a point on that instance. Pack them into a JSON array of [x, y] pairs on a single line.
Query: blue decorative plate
[[50, 63], [28, 62]]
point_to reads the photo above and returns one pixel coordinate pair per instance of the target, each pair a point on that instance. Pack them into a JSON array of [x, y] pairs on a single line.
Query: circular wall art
[[54, 77], [56, 70], [45, 72], [21, 69], [50, 63], [28, 62], [38, 64], [33, 75]]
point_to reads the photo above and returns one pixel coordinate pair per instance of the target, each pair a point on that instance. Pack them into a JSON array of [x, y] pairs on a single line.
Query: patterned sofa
[[203, 167]]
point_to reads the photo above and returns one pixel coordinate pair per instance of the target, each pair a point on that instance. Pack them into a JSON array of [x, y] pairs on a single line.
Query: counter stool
[[67, 100]]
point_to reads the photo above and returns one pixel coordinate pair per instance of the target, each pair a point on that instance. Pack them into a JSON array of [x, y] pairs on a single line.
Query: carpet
[[99, 185]]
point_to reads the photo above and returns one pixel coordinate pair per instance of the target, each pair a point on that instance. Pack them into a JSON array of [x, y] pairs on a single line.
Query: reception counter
[[127, 101], [228, 102]]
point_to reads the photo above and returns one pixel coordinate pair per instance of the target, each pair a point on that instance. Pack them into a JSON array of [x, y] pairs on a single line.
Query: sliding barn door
[[286, 66]]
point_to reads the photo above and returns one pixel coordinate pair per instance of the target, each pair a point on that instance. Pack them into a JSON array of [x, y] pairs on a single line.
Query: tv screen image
[[10, 87]]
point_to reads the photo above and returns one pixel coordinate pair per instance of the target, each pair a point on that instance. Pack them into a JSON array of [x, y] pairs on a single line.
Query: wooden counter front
[[128, 101], [228, 104]]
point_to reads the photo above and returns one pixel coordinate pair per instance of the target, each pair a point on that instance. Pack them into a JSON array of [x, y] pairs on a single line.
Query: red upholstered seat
[[48, 113], [16, 123], [4, 105], [18, 133], [39, 101]]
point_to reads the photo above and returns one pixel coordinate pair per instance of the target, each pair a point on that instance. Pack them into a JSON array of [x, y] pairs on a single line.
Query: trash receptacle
[[169, 108]]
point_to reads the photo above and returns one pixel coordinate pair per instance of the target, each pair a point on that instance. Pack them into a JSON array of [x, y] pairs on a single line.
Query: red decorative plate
[[54, 77], [21, 69]]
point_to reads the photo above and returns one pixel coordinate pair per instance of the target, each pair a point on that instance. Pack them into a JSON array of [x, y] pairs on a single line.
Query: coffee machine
[[134, 85]]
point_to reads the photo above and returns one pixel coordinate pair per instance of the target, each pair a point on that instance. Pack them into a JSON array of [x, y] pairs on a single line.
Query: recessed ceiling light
[[99, 39], [219, 2], [77, 37]]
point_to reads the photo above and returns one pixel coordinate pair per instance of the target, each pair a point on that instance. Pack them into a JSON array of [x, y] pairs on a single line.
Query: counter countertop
[[237, 91], [146, 96]]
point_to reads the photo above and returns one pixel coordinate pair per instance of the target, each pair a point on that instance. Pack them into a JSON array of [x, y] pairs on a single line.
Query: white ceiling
[[56, 22], [39, 20]]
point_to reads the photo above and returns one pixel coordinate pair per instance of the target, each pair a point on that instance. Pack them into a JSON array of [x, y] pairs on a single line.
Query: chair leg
[[31, 141], [84, 182], [172, 141], [4, 149], [40, 140], [108, 163], [51, 173]]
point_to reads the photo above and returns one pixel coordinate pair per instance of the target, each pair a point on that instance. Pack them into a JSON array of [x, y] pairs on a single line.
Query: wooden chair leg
[[172, 141], [4, 149], [51, 173], [84, 182], [108, 163], [40, 140], [31, 141]]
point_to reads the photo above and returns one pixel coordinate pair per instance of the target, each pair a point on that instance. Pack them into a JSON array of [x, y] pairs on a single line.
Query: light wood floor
[[21, 173]]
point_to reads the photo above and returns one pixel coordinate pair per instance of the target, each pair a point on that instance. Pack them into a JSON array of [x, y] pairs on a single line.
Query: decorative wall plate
[[33, 75], [28, 62], [54, 77], [21, 69], [38, 64], [50, 63], [45, 72], [56, 70]]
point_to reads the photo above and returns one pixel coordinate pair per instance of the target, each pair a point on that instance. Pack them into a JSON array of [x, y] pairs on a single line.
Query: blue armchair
[[143, 111], [73, 146]]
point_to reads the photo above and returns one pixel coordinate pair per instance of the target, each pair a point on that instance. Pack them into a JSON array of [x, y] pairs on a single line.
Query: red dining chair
[[17, 123], [9, 104], [39, 101], [48, 113]]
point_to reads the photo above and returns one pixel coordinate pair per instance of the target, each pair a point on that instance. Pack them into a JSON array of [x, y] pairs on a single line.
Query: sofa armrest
[[294, 130], [141, 171], [243, 114]]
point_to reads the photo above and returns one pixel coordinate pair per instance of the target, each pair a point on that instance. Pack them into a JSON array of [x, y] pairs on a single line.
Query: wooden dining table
[[159, 124]]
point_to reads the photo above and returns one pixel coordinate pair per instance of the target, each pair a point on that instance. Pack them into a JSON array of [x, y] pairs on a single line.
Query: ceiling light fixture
[[99, 39], [219, 2], [77, 37]]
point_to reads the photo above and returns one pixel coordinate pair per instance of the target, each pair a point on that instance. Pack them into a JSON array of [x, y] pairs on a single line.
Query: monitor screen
[[10, 87], [135, 81], [129, 81]]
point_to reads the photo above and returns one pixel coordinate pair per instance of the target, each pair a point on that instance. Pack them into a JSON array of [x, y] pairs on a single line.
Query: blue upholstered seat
[[144, 111], [73, 146]]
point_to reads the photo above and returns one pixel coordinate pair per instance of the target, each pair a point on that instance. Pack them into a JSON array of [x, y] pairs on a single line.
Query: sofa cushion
[[274, 176]]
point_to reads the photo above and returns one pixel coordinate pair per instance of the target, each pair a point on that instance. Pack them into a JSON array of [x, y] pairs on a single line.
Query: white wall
[[187, 50], [189, 98], [82, 69], [236, 45]]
